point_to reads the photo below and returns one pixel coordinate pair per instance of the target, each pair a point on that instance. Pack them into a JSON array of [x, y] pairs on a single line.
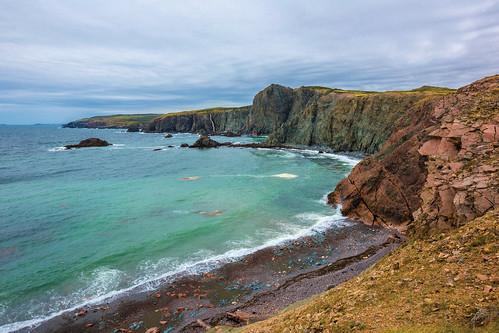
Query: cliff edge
[[438, 172]]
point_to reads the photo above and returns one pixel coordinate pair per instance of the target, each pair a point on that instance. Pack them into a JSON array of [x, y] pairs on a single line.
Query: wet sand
[[248, 290]]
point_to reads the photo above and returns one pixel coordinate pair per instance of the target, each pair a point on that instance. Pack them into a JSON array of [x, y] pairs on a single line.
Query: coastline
[[326, 272], [257, 285]]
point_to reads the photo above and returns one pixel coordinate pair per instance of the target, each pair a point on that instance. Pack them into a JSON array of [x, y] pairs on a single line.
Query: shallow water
[[78, 226]]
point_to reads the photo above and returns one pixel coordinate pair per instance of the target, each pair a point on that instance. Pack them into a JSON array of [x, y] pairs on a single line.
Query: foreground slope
[[446, 283]]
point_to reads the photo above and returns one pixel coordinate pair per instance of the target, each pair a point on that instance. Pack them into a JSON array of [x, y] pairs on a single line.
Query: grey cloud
[[82, 57]]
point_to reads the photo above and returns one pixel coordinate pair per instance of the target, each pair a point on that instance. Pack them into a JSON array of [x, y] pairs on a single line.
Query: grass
[[205, 111], [444, 284], [431, 90], [122, 120]]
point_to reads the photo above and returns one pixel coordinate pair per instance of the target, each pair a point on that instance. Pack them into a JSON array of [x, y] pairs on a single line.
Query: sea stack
[[90, 142]]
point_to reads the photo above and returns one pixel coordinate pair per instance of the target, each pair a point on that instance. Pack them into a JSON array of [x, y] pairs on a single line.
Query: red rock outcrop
[[438, 172]]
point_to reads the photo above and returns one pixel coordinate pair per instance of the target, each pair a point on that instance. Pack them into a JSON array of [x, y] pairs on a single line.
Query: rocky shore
[[250, 289]]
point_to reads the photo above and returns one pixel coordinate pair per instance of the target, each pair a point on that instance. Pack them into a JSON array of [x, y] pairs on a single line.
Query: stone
[[133, 128], [184, 145], [91, 142], [153, 330], [205, 142], [168, 135]]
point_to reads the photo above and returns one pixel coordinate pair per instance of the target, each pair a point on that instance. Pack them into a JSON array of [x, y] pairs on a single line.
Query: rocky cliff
[[339, 119], [206, 121], [437, 172], [346, 120]]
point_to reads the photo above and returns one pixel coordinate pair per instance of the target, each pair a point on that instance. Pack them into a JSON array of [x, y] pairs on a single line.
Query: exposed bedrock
[[340, 120], [438, 172]]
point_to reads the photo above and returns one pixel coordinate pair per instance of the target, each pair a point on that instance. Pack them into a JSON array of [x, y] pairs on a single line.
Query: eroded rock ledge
[[438, 172]]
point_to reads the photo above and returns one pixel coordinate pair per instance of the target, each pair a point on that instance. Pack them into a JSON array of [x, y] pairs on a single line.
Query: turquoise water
[[82, 225]]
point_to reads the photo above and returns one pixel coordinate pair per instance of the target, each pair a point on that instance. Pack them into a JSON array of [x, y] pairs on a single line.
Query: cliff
[[438, 172], [206, 121], [342, 120]]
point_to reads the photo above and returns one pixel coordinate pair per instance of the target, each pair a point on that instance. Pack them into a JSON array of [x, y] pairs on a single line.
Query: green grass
[[424, 89], [121, 120], [205, 111]]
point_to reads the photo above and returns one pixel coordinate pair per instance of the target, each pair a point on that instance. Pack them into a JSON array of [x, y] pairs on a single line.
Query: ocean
[[80, 226]]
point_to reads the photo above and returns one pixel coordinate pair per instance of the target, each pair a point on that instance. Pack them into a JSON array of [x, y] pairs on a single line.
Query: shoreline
[[256, 285], [137, 292]]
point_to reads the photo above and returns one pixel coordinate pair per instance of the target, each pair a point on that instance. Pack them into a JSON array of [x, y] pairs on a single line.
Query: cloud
[[77, 58]]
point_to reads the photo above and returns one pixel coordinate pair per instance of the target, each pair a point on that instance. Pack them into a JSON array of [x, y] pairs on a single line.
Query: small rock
[[91, 142], [205, 142], [487, 288], [482, 277], [153, 330], [168, 135], [184, 145]]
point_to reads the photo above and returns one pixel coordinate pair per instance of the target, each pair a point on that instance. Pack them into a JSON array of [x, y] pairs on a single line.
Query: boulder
[[91, 142], [133, 128], [205, 142], [168, 135], [184, 145]]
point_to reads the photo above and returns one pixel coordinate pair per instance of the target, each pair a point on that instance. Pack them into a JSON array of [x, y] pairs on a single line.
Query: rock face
[[133, 128], [438, 172], [341, 120], [91, 142], [209, 121]]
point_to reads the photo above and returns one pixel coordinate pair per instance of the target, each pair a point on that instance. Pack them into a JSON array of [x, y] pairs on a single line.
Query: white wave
[[324, 199], [99, 283], [196, 266], [285, 175], [58, 149], [323, 222], [316, 154]]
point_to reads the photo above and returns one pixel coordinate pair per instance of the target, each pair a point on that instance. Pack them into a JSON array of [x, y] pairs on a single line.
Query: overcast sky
[[61, 60]]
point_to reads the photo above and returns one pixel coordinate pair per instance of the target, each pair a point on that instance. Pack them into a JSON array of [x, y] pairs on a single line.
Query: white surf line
[[323, 223]]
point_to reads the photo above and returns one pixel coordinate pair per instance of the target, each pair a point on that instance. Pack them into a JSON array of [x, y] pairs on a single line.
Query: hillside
[[113, 121], [447, 283]]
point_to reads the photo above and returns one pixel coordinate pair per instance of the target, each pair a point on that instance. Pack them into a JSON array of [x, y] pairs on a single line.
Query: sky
[[65, 59]]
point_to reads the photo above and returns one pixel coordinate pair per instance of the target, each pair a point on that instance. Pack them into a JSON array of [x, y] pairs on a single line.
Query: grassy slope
[[122, 120], [424, 89], [444, 284], [204, 111]]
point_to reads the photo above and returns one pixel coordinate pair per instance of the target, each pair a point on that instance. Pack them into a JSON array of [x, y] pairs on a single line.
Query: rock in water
[[184, 145], [91, 142], [133, 128], [168, 135], [230, 134], [205, 142]]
